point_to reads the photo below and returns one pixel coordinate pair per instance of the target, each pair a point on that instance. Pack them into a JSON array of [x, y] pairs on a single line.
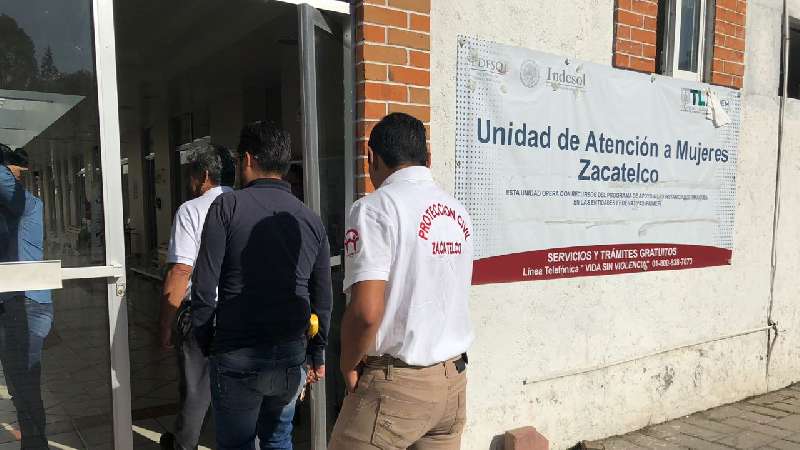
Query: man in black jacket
[[267, 256]]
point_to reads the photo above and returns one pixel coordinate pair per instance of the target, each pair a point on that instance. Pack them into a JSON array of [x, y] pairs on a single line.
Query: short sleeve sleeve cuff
[[177, 259], [364, 275]]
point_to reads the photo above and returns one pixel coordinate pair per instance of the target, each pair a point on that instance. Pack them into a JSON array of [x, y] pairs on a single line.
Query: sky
[[64, 25]]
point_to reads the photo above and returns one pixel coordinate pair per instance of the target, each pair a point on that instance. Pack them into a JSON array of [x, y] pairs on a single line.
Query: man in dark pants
[[26, 317], [269, 255], [212, 170]]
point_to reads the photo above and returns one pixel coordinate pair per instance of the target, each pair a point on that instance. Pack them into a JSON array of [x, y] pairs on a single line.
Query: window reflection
[[690, 35]]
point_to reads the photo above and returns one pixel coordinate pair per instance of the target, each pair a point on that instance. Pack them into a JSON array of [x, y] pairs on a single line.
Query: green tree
[[17, 56], [48, 72]]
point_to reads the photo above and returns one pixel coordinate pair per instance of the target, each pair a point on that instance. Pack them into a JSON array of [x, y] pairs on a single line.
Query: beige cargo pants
[[396, 408]]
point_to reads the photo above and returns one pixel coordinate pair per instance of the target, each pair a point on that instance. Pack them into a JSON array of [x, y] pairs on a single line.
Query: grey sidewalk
[[770, 421]]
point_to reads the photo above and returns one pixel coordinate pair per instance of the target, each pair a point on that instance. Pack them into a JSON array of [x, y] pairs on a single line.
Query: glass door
[[63, 324], [326, 66]]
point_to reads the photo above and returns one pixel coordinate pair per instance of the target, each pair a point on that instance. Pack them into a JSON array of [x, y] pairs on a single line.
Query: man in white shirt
[[212, 171], [406, 331]]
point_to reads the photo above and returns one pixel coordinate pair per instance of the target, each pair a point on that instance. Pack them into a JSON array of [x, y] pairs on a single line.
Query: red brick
[[526, 438], [406, 75], [643, 36], [728, 4], [622, 61], [721, 79], [728, 54], [381, 16], [381, 53], [717, 65], [630, 18], [737, 82], [371, 110], [650, 23], [629, 47], [409, 39], [643, 64], [373, 72], [381, 91], [420, 23], [727, 15], [362, 148], [649, 51], [739, 32], [734, 43], [419, 96], [645, 7], [364, 128], [419, 59], [623, 32], [742, 7], [733, 68], [624, 4], [371, 33], [423, 113], [725, 28], [423, 6], [375, 2]]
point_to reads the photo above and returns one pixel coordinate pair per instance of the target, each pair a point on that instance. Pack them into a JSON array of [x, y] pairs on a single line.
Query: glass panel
[[66, 399], [330, 122], [49, 122], [690, 35]]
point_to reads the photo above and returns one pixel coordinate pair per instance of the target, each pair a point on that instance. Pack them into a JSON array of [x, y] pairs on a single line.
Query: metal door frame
[[310, 17]]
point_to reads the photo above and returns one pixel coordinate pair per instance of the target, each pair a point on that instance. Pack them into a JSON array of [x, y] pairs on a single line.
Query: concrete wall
[[533, 331], [786, 357]]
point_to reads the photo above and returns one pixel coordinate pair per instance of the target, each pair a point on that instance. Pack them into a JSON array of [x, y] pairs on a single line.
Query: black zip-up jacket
[[269, 255]]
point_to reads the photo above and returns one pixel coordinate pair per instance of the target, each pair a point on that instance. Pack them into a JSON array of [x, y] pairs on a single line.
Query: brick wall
[[727, 68], [636, 35], [392, 68]]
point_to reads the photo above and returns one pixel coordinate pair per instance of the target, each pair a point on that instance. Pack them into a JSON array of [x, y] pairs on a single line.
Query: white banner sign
[[570, 168]]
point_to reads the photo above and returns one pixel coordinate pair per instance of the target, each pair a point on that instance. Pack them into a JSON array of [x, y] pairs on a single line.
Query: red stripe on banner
[[596, 260]]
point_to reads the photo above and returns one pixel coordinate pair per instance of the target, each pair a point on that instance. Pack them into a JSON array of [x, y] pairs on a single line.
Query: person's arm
[[321, 305], [175, 285], [183, 246], [360, 326], [368, 251], [12, 193], [205, 278]]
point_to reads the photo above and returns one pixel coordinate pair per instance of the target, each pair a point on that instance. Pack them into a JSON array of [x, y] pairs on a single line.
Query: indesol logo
[[529, 73]]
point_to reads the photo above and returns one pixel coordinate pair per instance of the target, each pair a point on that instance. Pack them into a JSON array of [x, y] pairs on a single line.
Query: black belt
[[390, 361]]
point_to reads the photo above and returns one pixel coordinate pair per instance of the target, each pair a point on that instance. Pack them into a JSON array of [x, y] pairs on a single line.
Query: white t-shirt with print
[[416, 237]]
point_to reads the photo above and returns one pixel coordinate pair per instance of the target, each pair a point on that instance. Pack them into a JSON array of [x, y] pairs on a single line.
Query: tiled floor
[[767, 422]]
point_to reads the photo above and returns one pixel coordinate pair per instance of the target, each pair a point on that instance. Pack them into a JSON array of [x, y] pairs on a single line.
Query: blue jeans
[[23, 326], [254, 392]]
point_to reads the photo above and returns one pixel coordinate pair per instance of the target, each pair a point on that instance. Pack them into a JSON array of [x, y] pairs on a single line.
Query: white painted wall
[[531, 331]]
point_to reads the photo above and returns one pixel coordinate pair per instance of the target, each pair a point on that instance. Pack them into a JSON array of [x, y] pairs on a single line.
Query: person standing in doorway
[[406, 330], [25, 317], [212, 171], [269, 255]]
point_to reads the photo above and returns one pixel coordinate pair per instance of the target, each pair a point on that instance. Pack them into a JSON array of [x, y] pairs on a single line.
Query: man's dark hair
[[18, 157], [268, 144], [399, 139], [216, 160]]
